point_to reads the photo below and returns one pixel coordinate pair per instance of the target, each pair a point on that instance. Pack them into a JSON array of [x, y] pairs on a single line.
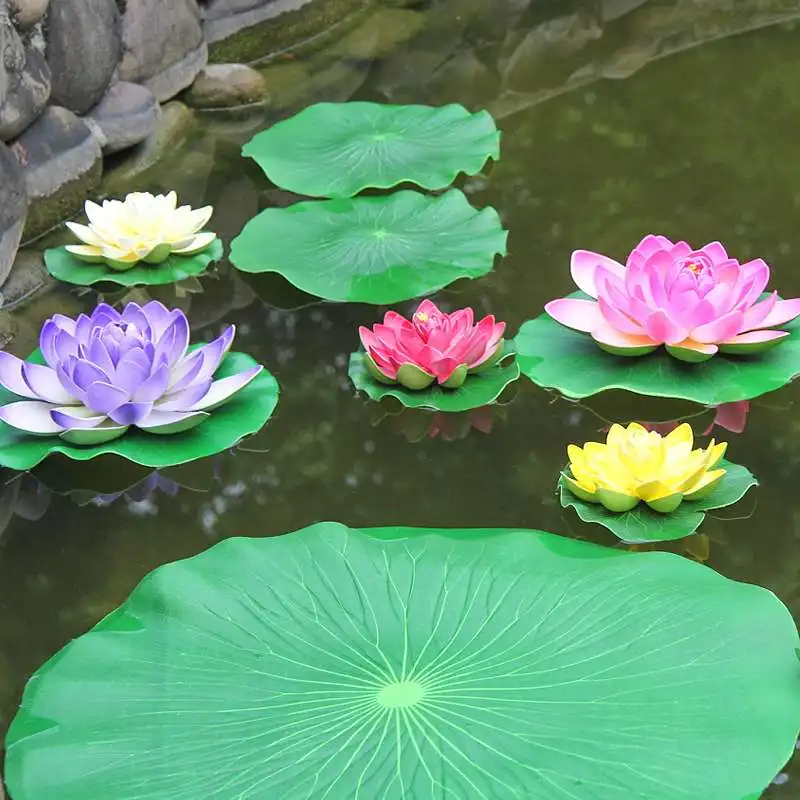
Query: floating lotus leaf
[[372, 249], [560, 358], [244, 414], [65, 267], [641, 524], [479, 389], [338, 149], [408, 664]]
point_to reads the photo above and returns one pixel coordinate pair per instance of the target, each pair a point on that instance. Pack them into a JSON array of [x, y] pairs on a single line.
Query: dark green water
[[618, 119]]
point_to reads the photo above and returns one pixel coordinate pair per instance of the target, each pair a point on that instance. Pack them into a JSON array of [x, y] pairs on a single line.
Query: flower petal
[[583, 265], [753, 341], [131, 413], [198, 243], [783, 311], [86, 252], [104, 398], [692, 352], [222, 390], [618, 343], [661, 328], [166, 422], [69, 417], [31, 416], [580, 315], [719, 330], [11, 376], [45, 385]]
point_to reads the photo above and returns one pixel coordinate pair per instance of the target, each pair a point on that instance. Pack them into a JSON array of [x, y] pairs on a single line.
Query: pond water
[[614, 125]]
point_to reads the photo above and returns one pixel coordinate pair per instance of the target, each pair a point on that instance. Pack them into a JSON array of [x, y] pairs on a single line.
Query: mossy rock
[[284, 32]]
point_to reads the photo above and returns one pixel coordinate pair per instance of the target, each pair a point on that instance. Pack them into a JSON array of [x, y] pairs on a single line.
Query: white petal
[[31, 416], [222, 390], [85, 233], [198, 243]]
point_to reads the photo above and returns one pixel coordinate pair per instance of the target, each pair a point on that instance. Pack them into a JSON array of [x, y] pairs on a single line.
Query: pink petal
[[661, 328], [756, 337], [651, 244], [715, 251], [430, 308], [617, 319], [719, 330], [605, 334], [698, 347], [756, 314], [581, 315], [753, 279], [443, 368], [395, 321], [680, 250], [783, 311], [583, 265]]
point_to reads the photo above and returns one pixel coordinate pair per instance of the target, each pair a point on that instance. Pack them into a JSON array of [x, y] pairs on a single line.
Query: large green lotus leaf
[[372, 249], [244, 414], [409, 665], [66, 267], [642, 524], [338, 149], [478, 390], [557, 357]]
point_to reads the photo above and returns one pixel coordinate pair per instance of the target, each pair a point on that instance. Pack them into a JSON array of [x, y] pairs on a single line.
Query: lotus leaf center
[[381, 233], [401, 694]]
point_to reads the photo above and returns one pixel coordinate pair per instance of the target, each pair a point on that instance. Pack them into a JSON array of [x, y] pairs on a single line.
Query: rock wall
[[82, 79]]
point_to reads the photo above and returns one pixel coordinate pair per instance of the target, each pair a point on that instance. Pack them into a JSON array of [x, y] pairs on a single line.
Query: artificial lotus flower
[[432, 346], [636, 465], [695, 302], [142, 227], [109, 371]]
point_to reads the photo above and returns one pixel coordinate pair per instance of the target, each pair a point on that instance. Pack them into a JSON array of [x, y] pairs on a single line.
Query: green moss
[[47, 212], [284, 32]]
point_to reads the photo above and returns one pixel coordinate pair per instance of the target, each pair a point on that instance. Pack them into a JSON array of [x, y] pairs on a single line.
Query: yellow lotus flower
[[142, 227], [637, 465]]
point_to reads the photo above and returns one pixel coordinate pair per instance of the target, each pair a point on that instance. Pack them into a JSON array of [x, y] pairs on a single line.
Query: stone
[[163, 45], [127, 115], [226, 86], [224, 18], [83, 49], [28, 275], [62, 163], [13, 208], [24, 83], [27, 13]]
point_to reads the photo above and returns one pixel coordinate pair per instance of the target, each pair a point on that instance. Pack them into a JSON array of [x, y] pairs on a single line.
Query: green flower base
[[378, 250], [417, 664], [642, 524], [244, 414], [65, 267], [480, 389], [339, 149], [556, 357]]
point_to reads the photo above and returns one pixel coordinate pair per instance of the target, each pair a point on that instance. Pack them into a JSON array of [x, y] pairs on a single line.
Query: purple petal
[[133, 314], [31, 416], [69, 417], [83, 328], [105, 398], [211, 354], [185, 373], [153, 387], [222, 390], [97, 353], [160, 317], [103, 314], [131, 413], [11, 375], [45, 384], [172, 421], [63, 371], [84, 373], [47, 342], [185, 398], [174, 341], [63, 323], [65, 345], [130, 375]]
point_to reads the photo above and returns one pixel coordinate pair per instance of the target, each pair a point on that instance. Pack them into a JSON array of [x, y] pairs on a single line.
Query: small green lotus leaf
[[668, 504], [479, 389], [69, 268], [404, 664], [372, 249], [410, 376], [643, 524], [338, 149], [457, 378], [615, 502], [244, 414], [557, 357]]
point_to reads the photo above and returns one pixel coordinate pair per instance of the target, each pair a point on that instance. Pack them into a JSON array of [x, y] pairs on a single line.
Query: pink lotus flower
[[431, 346], [696, 302]]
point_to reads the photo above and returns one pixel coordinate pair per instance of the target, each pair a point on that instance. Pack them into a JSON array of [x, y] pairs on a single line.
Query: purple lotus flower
[[111, 370]]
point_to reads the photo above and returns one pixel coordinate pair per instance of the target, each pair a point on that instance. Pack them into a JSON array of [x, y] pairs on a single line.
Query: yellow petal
[[654, 490], [616, 435], [717, 451], [86, 252], [580, 491], [705, 485], [680, 435]]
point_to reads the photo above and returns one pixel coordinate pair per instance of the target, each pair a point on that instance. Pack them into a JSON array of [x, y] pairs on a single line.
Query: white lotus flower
[[142, 227]]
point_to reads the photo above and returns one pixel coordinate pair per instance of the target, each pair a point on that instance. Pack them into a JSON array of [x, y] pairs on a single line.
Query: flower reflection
[[416, 425]]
